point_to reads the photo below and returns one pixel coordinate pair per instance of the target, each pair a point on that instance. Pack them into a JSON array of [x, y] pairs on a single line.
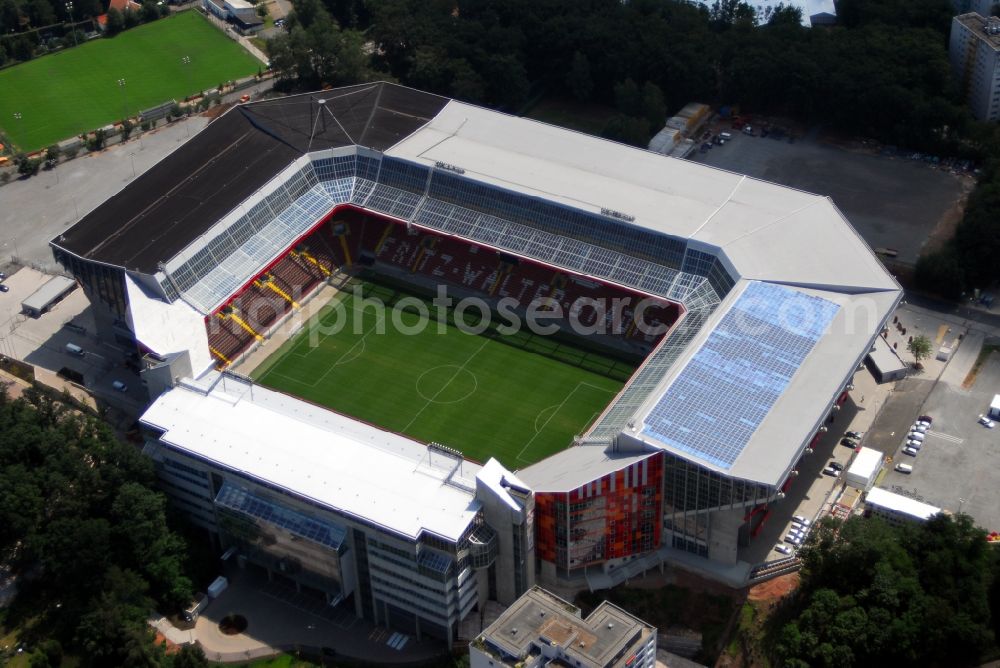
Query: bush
[[4, 177], [52, 154], [97, 141], [71, 151], [145, 125]]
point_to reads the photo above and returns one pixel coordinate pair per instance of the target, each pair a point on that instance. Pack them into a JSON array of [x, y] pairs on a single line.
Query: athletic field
[[76, 90], [486, 395]]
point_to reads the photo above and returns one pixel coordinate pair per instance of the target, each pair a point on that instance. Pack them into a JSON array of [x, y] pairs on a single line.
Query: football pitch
[[517, 397], [76, 90]]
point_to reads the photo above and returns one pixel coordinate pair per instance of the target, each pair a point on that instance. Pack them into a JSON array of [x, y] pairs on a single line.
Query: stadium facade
[[771, 297]]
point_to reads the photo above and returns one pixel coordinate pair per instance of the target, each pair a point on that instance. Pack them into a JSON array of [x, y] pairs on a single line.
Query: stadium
[[412, 476]]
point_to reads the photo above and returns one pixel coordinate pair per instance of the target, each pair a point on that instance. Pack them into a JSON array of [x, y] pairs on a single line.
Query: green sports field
[[518, 398], [76, 90]]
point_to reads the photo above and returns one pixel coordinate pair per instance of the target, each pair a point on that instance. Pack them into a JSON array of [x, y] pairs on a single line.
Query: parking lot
[[883, 415], [892, 202], [42, 343], [958, 468]]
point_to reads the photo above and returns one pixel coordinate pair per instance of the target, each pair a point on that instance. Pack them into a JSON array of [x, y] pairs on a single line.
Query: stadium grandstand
[[769, 298]]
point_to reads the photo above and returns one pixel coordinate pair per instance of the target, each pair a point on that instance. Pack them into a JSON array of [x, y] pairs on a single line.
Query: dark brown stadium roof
[[187, 192]]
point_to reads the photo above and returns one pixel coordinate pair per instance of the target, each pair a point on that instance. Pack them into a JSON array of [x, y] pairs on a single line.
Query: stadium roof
[[576, 466], [330, 459], [186, 193], [744, 391], [782, 247], [766, 231]]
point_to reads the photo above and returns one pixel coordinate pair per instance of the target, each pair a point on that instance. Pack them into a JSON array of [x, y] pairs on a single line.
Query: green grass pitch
[[485, 395], [76, 90]]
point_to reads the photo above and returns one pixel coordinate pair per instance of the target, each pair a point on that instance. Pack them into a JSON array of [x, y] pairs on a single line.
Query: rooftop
[[334, 461], [180, 198], [987, 29], [901, 504], [539, 618]]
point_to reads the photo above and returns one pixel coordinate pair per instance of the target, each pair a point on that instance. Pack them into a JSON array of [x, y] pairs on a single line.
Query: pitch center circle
[[446, 384]]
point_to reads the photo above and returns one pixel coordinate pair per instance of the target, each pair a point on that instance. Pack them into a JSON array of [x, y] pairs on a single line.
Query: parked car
[[986, 422], [833, 473], [784, 549], [856, 435], [916, 436], [837, 466], [799, 519], [851, 443], [793, 540], [904, 468], [919, 428], [922, 423], [909, 451], [120, 386], [4, 287], [916, 445], [926, 418]]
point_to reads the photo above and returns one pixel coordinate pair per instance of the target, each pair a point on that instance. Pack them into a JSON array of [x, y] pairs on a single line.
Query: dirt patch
[[984, 354], [775, 589], [168, 647], [945, 228], [216, 111]]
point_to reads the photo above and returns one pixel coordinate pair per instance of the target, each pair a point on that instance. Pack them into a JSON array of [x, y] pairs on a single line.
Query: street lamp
[[72, 26], [186, 60], [121, 84]]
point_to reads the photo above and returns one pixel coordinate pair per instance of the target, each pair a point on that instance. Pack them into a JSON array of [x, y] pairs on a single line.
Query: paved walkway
[[276, 625]]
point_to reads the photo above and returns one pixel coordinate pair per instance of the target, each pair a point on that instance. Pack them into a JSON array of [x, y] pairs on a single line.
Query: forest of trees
[[874, 594], [885, 74], [86, 533]]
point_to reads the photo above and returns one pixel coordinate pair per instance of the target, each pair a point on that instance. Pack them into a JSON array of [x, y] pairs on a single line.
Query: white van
[[904, 468], [74, 349]]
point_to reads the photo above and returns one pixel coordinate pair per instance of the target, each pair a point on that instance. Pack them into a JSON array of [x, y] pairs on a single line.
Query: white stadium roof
[[330, 459], [768, 232]]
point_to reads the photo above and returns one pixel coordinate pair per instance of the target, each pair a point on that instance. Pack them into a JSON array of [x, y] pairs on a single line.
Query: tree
[[97, 140], [578, 79], [127, 127], [872, 594], [920, 347], [190, 656], [628, 98], [654, 108], [116, 22]]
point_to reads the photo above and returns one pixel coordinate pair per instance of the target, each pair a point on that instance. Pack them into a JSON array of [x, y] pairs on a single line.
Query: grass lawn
[[568, 113], [76, 90], [485, 395]]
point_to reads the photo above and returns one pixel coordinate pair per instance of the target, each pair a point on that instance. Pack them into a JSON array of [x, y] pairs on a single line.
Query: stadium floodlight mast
[[72, 26], [20, 123], [121, 84]]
